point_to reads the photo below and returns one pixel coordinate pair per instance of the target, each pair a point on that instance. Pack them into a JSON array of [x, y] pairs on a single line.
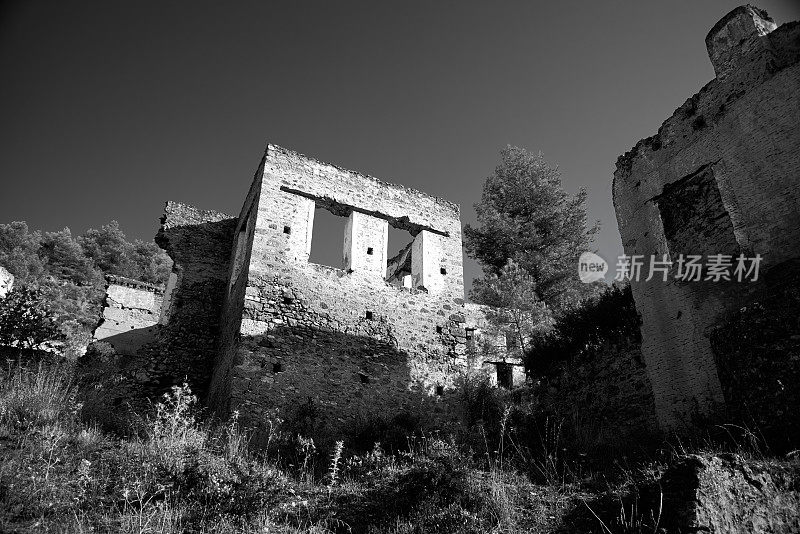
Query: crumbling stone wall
[[721, 176], [6, 281], [353, 342], [378, 336], [757, 351], [150, 354], [488, 349], [130, 313], [603, 399]]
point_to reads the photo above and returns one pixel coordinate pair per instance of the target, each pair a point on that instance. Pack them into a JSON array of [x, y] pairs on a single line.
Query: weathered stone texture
[[151, 353], [130, 313], [356, 344], [487, 348], [720, 176], [199, 243], [728, 493], [604, 398], [6, 281], [372, 339], [757, 351]]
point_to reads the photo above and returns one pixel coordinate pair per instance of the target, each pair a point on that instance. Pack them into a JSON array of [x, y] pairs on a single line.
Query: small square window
[[287, 300], [443, 270], [369, 315], [287, 230], [440, 390], [470, 332], [363, 378], [438, 329], [369, 251], [277, 367]]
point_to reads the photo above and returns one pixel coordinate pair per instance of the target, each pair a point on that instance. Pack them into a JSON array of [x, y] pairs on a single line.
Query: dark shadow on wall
[[321, 383], [332, 385], [757, 351], [122, 374]]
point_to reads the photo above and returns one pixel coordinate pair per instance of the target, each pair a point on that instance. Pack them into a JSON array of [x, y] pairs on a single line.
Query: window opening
[[398, 264], [327, 239], [505, 375]]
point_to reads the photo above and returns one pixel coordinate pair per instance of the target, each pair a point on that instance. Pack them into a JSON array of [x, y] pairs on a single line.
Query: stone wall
[[721, 176], [355, 344], [253, 326], [757, 351], [603, 398], [6, 281], [130, 313], [149, 354]]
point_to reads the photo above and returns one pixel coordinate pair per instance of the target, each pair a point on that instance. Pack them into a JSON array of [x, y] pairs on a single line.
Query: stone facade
[[254, 325], [6, 281], [163, 337], [603, 397], [359, 341], [721, 176], [130, 313]]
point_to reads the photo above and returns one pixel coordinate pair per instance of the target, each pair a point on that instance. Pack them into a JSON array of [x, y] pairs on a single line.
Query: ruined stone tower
[[255, 326], [721, 176]]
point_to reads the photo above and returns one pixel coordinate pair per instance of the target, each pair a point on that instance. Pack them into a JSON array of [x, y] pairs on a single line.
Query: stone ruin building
[[722, 176], [253, 325], [6, 281]]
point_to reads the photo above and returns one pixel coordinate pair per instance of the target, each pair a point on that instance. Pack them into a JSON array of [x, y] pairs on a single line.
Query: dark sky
[[108, 109]]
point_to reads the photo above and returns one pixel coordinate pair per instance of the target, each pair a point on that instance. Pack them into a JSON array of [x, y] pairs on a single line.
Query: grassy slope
[[181, 475]]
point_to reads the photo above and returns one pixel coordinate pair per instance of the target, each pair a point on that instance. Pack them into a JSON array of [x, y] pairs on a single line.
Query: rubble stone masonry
[[353, 343], [721, 176], [254, 326]]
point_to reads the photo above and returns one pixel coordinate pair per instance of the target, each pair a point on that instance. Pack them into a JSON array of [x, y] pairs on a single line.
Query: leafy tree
[[152, 263], [525, 216], [19, 249], [64, 258], [607, 318], [515, 309], [109, 250], [25, 319]]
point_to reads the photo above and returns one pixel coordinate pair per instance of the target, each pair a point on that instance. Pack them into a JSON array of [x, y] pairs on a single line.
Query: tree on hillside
[[108, 249], [19, 248], [64, 258], [112, 253], [152, 262], [526, 217]]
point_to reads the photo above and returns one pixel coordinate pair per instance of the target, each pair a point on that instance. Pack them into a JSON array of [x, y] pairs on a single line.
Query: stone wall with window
[[254, 326], [721, 176], [357, 341]]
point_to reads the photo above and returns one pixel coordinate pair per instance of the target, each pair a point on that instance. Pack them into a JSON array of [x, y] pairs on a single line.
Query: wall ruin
[[162, 338], [358, 341], [721, 176], [254, 326], [6, 281]]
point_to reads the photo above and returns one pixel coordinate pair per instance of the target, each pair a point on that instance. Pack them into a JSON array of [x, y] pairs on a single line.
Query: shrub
[[26, 321], [610, 318]]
